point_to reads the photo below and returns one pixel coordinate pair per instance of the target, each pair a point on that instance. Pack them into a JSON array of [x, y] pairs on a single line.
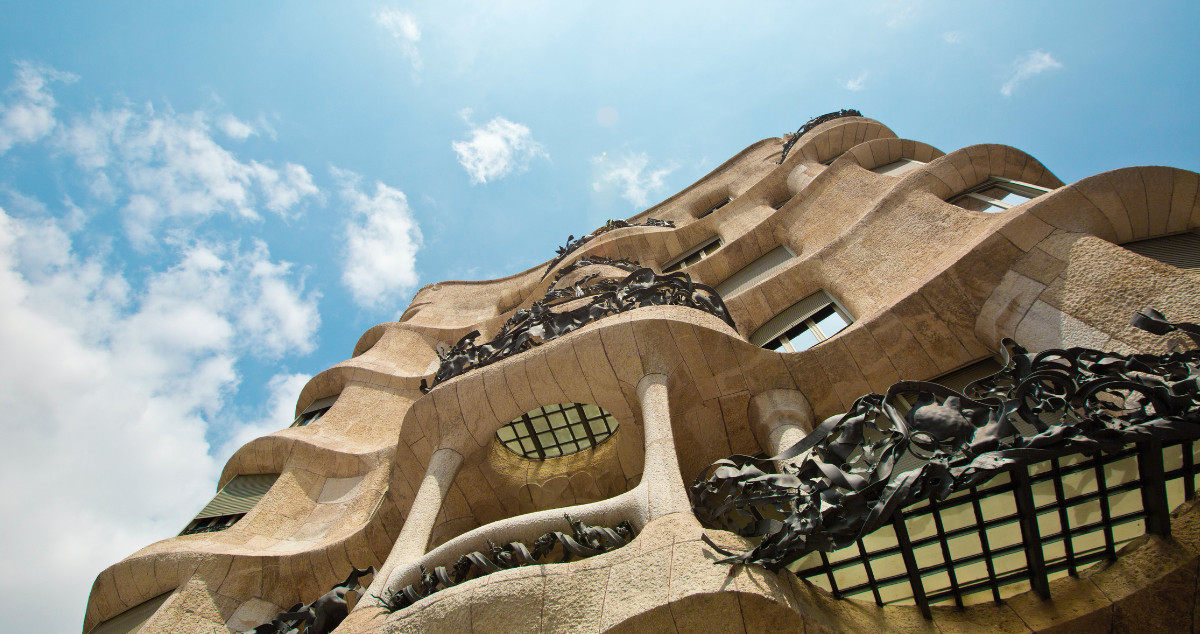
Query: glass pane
[[572, 415], [598, 427], [557, 420], [804, 341], [577, 431], [591, 411], [506, 433], [830, 324], [563, 435], [1010, 197], [540, 424]]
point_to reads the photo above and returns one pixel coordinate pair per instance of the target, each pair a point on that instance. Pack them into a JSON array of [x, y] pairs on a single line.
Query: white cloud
[[496, 149], [857, 83], [27, 113], [630, 177], [1030, 64], [109, 389], [167, 168], [404, 29], [382, 239], [952, 37], [235, 128]]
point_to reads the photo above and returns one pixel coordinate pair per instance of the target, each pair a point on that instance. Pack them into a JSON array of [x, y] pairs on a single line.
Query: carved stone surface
[[584, 541], [812, 123], [531, 326], [842, 481]]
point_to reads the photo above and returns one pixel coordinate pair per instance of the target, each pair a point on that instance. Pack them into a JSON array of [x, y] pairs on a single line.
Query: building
[[848, 259]]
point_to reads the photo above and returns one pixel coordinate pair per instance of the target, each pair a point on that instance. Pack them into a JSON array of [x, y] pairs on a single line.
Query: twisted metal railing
[[573, 244], [809, 125], [584, 541], [855, 471], [323, 615], [539, 323]]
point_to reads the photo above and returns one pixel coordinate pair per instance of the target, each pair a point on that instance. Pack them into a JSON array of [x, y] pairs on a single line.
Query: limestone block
[[636, 586]]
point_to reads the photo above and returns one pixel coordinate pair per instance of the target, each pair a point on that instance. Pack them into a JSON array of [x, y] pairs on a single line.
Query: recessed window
[[1181, 250], [695, 255], [557, 430], [716, 207], [755, 272], [899, 167], [314, 412], [997, 194], [231, 503], [802, 326]]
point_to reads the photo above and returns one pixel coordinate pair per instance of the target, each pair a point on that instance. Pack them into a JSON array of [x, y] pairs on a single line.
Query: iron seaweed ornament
[[531, 326], [573, 244], [584, 541], [810, 124], [323, 615], [846, 478]]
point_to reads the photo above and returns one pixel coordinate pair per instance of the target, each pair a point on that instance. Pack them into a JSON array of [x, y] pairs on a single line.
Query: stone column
[[418, 526], [664, 483], [780, 419]]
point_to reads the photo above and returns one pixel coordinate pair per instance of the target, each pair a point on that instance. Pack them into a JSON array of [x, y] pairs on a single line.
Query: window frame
[[710, 210], [806, 312], [315, 411], [527, 437], [681, 262], [906, 165], [1020, 188]]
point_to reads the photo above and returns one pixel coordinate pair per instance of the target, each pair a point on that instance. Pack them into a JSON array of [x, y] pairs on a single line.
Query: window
[[231, 503], [715, 207], [897, 168], [695, 255], [997, 194], [755, 272], [133, 619], [314, 411], [802, 326], [1181, 250], [557, 430]]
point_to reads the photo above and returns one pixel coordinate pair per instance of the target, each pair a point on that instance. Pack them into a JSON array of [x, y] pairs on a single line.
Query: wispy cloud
[[122, 376], [897, 12], [496, 149], [630, 176], [856, 84], [952, 37], [167, 168], [1026, 66], [27, 113], [382, 239], [235, 128], [404, 30]]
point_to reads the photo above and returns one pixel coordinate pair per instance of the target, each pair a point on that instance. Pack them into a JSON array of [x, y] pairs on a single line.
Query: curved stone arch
[[836, 137], [965, 168], [882, 151], [1127, 204]]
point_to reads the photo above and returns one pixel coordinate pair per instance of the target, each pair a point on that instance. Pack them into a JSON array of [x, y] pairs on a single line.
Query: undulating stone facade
[[895, 265]]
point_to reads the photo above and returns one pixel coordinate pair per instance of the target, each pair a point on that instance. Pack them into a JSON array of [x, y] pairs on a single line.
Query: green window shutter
[[239, 495], [133, 619]]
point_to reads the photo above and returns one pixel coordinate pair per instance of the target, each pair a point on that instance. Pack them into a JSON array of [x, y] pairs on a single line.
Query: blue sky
[[180, 184]]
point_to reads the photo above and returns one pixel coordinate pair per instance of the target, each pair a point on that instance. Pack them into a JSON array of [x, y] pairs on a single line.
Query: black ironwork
[[812, 123], [557, 430], [624, 264], [531, 326], [573, 243], [323, 615], [842, 482], [584, 541]]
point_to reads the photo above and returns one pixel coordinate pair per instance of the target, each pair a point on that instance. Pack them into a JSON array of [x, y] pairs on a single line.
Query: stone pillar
[[780, 419], [422, 515], [664, 483]]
